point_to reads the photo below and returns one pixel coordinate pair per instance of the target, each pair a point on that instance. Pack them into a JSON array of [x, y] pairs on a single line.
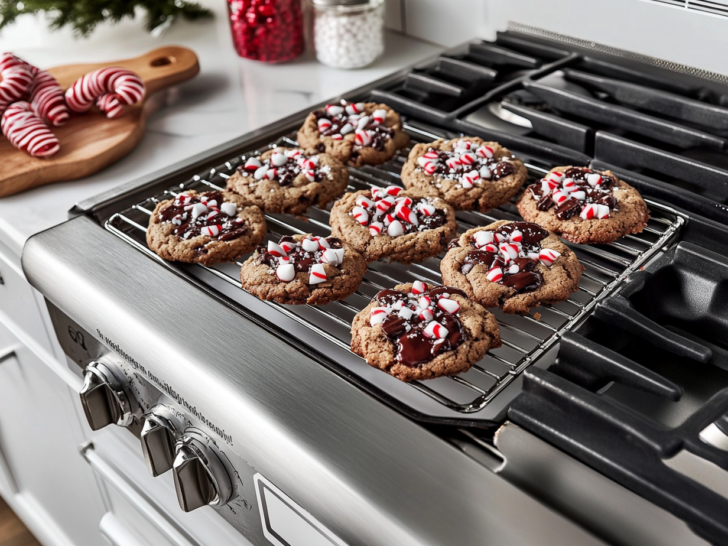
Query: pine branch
[[84, 15]]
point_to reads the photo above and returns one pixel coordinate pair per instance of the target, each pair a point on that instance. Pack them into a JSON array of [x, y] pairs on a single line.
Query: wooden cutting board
[[90, 141]]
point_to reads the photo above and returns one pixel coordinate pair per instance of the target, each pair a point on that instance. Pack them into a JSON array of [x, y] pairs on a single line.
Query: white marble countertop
[[229, 97]]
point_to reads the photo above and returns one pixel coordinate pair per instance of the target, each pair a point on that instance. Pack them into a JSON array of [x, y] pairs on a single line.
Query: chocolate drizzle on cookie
[[283, 166], [576, 191], [511, 253], [466, 164], [422, 324], [204, 214], [289, 257], [369, 130], [388, 214]]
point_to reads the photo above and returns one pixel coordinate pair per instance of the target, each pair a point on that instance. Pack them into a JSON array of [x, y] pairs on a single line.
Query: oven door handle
[[127, 490], [114, 530]]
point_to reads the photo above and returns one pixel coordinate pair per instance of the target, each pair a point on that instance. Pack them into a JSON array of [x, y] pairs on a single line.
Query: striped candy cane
[[44, 93], [109, 88], [16, 80], [27, 132]]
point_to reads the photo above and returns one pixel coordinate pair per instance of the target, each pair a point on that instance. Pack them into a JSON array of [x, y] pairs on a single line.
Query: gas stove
[[601, 420]]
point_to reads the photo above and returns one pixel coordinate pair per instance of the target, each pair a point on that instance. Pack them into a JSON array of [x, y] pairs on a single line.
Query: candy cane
[[27, 132], [44, 93], [124, 86], [17, 79]]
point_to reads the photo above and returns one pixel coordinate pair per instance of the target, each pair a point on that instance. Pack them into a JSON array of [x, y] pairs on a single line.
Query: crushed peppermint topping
[[348, 118], [283, 166], [204, 214], [467, 163], [389, 213], [511, 253], [422, 323], [289, 257], [576, 191]]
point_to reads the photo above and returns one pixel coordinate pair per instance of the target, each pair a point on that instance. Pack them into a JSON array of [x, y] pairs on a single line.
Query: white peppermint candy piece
[[430, 168], [211, 231], [424, 302], [309, 245], [383, 205], [555, 177], [484, 172], [469, 179], [422, 161], [431, 155], [363, 121], [198, 209], [293, 154], [435, 330], [490, 248], [403, 201], [346, 129], [364, 201], [485, 152], [418, 287], [426, 209], [559, 197], [360, 215], [513, 269], [252, 164], [317, 275], [594, 179], [509, 251], [270, 174], [287, 246], [426, 315], [405, 313], [363, 138], [212, 215], [569, 185], [463, 144], [395, 229], [495, 275], [453, 162], [533, 256], [285, 272], [183, 198], [310, 175], [229, 208], [379, 115], [580, 195], [483, 238], [334, 110], [260, 173], [467, 158], [388, 219], [278, 159], [448, 305], [355, 108], [588, 211], [337, 136], [339, 255], [397, 305], [406, 214], [329, 257], [516, 237], [548, 256], [500, 237], [377, 315], [602, 211], [276, 250], [375, 228], [322, 242]]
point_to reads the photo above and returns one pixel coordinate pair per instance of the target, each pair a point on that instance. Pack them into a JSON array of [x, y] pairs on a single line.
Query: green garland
[[84, 15]]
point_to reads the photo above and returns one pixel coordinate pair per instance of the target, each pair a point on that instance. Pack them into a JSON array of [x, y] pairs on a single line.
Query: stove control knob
[[200, 477], [103, 398], [160, 431]]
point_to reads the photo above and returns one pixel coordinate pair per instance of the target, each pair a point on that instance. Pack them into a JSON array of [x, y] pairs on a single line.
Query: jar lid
[[339, 2]]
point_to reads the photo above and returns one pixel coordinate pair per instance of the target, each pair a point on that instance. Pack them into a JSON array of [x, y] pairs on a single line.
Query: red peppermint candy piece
[[516, 236], [418, 287], [360, 215], [485, 152], [377, 315], [286, 272], [431, 155], [435, 330], [317, 275], [467, 158], [588, 211], [483, 238], [495, 275], [602, 211], [453, 162], [375, 228], [403, 201], [426, 315], [406, 214], [559, 197], [383, 205], [337, 136], [379, 115], [594, 179], [309, 245], [287, 246], [363, 138], [430, 168], [276, 250], [252, 164], [322, 242], [392, 190], [211, 231], [323, 125], [395, 229], [424, 302], [555, 177], [426, 209], [363, 201], [448, 305]]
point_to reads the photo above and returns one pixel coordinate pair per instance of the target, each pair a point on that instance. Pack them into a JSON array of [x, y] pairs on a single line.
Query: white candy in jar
[[348, 33]]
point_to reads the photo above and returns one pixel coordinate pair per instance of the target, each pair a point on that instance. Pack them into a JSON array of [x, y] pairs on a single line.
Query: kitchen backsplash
[[448, 23]]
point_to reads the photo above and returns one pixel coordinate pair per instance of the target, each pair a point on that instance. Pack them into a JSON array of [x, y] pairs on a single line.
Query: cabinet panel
[[39, 436]]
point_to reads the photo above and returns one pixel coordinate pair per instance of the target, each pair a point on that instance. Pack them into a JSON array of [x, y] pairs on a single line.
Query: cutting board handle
[[159, 68]]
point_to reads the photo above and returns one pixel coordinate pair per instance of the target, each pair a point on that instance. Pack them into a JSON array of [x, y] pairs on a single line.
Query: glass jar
[[348, 33], [267, 30]]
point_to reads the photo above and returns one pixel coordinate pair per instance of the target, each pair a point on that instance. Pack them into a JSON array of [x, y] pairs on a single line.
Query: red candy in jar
[[267, 30]]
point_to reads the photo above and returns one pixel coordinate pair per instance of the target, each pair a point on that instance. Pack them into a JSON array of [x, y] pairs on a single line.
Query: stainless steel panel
[[368, 473]]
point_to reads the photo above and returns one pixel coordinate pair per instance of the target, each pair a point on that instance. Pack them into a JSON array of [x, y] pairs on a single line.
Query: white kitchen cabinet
[[49, 484]]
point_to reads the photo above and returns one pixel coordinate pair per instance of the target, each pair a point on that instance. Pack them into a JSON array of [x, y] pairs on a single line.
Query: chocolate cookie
[[418, 331], [512, 265], [405, 227], [289, 180], [204, 228], [468, 172], [584, 206], [303, 269], [354, 133]]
